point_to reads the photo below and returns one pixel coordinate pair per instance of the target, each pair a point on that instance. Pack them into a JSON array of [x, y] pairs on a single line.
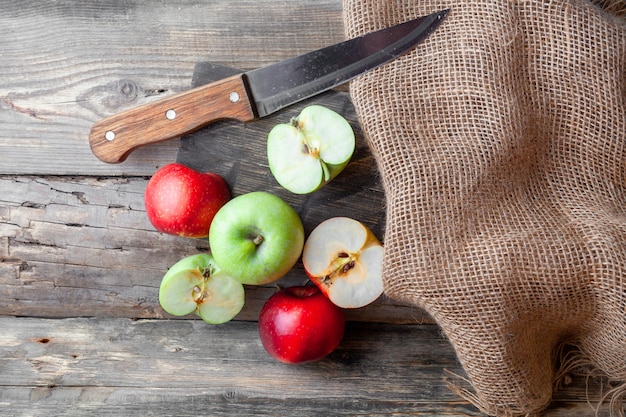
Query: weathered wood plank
[[186, 368], [67, 64], [83, 246]]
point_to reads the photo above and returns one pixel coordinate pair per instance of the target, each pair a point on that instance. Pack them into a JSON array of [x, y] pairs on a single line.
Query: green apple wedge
[[196, 284], [256, 238], [305, 155]]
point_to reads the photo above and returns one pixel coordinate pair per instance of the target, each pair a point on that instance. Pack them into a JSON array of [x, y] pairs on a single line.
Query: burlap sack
[[501, 141]]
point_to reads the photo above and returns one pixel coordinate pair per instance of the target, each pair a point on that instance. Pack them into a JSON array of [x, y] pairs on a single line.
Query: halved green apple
[[195, 284], [305, 155]]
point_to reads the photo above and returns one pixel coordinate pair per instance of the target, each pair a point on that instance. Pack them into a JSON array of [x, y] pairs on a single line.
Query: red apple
[[300, 324], [182, 201], [345, 260]]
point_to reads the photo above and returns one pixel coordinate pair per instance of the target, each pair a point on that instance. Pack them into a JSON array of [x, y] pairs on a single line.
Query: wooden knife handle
[[112, 139]]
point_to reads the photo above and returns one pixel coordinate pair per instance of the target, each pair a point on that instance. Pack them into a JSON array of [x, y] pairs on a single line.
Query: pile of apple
[[256, 238]]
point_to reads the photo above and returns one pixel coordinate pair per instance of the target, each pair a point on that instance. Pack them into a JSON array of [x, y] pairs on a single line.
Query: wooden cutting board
[[237, 151]]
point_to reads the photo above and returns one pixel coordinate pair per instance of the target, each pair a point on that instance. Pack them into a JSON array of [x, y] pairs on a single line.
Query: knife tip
[[443, 13]]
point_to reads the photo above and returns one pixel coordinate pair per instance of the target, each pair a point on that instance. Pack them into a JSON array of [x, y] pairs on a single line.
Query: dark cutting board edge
[[237, 152]]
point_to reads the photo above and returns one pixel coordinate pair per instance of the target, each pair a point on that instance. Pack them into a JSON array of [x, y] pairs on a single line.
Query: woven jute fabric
[[501, 143]]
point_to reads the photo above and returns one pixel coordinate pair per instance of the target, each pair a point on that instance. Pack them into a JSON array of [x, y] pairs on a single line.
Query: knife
[[256, 93]]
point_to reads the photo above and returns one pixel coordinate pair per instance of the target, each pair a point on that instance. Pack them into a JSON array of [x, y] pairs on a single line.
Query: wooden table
[[80, 264]]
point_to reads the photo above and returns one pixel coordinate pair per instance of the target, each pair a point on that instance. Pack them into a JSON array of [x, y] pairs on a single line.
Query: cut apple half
[[305, 155], [345, 260], [196, 285]]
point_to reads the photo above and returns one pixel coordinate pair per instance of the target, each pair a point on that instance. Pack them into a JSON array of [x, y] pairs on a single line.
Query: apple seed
[[201, 291], [344, 266], [347, 267], [314, 152], [344, 258]]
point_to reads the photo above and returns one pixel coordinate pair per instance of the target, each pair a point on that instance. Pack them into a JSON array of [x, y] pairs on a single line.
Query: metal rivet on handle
[[170, 114], [234, 97], [110, 135]]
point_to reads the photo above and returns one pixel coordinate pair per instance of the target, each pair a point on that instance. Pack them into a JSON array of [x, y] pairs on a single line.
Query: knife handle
[[112, 139]]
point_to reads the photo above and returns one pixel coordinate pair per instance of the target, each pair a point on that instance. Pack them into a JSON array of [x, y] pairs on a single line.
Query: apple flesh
[[256, 238], [305, 155], [344, 259], [300, 324], [182, 201], [195, 284]]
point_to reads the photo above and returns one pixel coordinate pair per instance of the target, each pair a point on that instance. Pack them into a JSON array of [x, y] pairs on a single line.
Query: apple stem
[[207, 272], [258, 240]]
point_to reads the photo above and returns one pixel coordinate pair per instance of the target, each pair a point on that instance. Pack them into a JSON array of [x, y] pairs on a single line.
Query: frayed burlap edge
[[572, 363], [462, 387], [615, 7]]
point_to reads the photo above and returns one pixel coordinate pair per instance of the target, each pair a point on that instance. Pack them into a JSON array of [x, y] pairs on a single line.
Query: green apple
[[256, 238], [306, 154], [196, 284]]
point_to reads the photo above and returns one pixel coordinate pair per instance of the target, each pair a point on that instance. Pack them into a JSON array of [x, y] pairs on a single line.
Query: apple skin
[[256, 238], [182, 201], [300, 324]]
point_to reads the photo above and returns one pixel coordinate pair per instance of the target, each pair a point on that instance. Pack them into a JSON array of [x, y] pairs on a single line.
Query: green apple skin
[[195, 284], [256, 238], [308, 153]]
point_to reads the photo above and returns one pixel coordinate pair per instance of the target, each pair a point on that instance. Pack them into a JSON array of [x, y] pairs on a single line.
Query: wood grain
[[105, 367], [76, 247], [112, 139], [65, 65]]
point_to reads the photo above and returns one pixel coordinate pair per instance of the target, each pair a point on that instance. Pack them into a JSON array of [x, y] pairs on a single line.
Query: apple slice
[[305, 155], [345, 260], [195, 284]]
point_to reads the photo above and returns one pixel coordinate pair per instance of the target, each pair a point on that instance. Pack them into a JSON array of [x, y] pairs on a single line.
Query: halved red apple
[[345, 260]]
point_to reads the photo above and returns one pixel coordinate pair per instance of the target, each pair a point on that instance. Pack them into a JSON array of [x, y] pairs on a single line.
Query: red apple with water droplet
[[300, 324], [182, 201]]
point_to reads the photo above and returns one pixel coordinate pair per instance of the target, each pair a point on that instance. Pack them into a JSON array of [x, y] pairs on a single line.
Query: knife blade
[[256, 93]]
